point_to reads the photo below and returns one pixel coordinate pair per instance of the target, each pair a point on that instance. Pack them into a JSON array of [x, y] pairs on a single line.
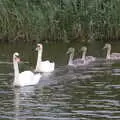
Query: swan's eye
[[16, 55], [38, 45]]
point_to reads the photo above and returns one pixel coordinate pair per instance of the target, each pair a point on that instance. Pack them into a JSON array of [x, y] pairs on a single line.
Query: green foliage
[[59, 20]]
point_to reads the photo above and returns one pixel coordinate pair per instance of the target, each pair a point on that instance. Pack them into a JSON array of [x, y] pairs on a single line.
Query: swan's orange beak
[[17, 59]]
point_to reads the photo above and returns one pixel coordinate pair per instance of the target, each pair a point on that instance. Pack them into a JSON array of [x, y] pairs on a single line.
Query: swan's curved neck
[[108, 53], [83, 55], [70, 62], [39, 59], [16, 72]]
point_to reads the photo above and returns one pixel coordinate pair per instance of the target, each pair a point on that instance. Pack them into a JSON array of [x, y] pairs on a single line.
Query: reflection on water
[[20, 96], [81, 93]]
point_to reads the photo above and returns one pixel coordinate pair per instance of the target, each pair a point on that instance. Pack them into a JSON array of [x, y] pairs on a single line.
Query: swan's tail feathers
[[52, 66], [37, 78]]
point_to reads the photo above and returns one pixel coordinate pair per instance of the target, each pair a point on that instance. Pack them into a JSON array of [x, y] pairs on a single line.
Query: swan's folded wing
[[46, 66], [78, 62], [90, 58], [115, 54], [28, 78], [25, 78]]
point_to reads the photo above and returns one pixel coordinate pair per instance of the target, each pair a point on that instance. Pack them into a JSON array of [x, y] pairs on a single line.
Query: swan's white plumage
[[43, 66], [28, 78], [24, 78], [47, 66]]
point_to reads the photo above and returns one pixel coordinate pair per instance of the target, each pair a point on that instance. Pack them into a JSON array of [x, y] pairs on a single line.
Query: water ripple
[[82, 93]]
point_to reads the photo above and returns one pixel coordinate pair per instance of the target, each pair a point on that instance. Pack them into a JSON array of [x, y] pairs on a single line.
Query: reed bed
[[59, 20]]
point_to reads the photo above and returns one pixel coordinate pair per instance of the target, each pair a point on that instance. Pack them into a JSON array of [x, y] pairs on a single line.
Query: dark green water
[[90, 92]]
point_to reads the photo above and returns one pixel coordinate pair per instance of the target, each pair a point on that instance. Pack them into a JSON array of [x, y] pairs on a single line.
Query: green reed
[[59, 20]]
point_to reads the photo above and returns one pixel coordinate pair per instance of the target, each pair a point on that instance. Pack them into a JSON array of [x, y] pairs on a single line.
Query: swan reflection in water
[[22, 96]]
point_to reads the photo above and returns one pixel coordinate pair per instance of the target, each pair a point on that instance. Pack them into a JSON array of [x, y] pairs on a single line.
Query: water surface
[[88, 92]]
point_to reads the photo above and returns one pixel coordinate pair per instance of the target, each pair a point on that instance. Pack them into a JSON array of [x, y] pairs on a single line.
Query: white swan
[[87, 59], [43, 66], [75, 62], [24, 78], [111, 56]]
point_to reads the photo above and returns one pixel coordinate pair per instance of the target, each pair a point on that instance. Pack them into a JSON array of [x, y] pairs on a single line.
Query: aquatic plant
[[59, 20]]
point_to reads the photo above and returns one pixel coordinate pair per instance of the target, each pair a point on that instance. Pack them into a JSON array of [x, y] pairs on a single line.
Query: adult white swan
[[43, 66], [111, 56], [24, 78]]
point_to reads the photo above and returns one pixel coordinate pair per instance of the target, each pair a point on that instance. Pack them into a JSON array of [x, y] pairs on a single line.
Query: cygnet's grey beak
[[104, 48], [67, 52]]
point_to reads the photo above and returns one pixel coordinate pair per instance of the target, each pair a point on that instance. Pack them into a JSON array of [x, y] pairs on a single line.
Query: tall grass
[[59, 20]]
